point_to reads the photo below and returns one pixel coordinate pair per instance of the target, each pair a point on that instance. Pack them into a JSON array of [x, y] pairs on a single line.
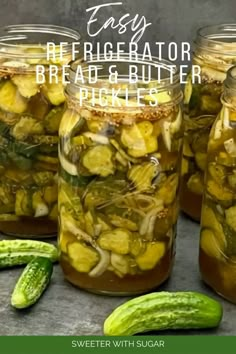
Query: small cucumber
[[32, 283], [163, 311], [18, 252]]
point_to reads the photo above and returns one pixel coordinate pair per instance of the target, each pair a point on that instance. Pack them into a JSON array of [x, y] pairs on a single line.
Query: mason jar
[[119, 178], [30, 115], [218, 220], [215, 53]]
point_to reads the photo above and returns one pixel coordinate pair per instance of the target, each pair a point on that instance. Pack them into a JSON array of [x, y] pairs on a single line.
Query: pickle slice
[[98, 160], [83, 258], [10, 98], [212, 245], [117, 240], [26, 84], [54, 93], [195, 183], [152, 255], [201, 160], [23, 206], [53, 119]]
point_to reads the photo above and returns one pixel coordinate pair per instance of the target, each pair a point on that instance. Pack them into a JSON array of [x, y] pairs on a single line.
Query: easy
[[137, 24]]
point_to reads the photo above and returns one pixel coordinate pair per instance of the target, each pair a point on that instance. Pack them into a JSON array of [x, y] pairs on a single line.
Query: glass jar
[[215, 53], [118, 181], [29, 119], [218, 220]]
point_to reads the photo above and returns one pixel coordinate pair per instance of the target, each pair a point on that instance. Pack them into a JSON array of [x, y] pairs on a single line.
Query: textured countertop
[[66, 310]]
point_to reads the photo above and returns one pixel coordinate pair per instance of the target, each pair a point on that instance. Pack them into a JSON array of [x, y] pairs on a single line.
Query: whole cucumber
[[32, 283], [18, 252], [163, 311]]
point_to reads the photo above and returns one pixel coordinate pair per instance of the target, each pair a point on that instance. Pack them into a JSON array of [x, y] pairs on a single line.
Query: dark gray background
[[172, 20]]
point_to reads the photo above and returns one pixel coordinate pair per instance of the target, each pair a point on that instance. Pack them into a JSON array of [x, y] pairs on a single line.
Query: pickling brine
[[218, 219], [118, 189], [30, 115], [215, 53]]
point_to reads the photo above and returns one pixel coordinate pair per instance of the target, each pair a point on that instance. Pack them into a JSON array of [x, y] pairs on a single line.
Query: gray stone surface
[[66, 310]]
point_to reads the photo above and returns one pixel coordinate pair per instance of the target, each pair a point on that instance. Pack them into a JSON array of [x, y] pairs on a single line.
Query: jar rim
[[217, 38], [172, 93], [22, 36], [124, 58]]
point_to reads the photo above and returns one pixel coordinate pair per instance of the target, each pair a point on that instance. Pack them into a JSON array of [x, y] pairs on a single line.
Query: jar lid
[[126, 77], [218, 39], [30, 40]]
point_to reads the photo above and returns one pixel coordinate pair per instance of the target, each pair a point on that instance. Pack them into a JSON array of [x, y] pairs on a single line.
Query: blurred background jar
[[119, 182], [215, 53], [30, 115], [218, 220]]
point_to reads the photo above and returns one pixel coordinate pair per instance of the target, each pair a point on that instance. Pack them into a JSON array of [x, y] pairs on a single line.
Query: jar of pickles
[[119, 179], [30, 115], [215, 53], [218, 219]]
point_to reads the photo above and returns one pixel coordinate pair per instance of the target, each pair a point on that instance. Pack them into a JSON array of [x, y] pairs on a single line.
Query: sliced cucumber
[[53, 119]]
